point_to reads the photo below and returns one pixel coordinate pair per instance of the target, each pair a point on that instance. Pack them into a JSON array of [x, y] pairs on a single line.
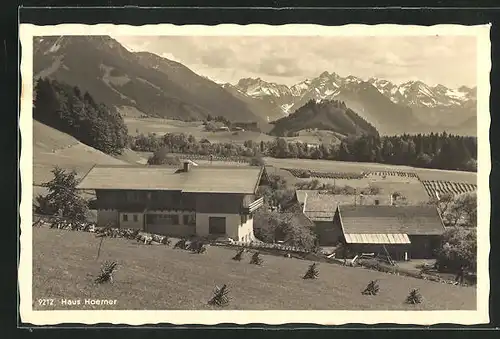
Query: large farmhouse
[[373, 224], [212, 201]]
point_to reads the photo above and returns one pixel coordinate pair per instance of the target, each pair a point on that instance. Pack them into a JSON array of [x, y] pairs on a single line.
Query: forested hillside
[[332, 115], [68, 110]]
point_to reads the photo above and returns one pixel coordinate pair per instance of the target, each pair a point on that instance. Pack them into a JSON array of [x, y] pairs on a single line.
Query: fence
[[238, 159]]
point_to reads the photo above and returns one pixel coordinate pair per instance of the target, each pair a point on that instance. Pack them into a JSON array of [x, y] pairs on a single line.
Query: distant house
[[248, 126], [214, 201], [312, 145], [368, 223]]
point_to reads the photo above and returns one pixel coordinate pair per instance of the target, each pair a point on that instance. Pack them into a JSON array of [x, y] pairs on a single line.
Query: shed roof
[[390, 239], [209, 179], [411, 220]]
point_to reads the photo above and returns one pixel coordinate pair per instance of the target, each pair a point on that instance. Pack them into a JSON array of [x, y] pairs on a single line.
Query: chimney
[[187, 166]]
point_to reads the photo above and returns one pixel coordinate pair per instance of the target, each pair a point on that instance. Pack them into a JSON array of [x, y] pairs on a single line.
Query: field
[[158, 277], [53, 148], [161, 126], [350, 167], [454, 188]]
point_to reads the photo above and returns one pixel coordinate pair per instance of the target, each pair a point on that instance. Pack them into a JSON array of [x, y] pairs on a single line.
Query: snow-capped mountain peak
[[258, 88], [413, 93]]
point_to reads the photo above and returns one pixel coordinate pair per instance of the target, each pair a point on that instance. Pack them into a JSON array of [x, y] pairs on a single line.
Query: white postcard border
[[479, 316]]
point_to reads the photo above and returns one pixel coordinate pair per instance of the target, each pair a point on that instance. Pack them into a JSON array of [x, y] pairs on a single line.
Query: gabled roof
[[201, 179], [321, 206], [411, 220]]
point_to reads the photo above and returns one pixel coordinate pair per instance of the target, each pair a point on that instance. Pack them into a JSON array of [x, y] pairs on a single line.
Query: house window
[[136, 219], [125, 217], [185, 219]]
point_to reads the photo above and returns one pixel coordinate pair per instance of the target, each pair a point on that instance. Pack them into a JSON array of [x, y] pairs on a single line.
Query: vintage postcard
[[254, 174]]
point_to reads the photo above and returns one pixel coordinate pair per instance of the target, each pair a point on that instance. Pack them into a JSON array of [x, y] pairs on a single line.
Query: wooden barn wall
[[423, 246], [328, 233], [150, 199], [219, 203]]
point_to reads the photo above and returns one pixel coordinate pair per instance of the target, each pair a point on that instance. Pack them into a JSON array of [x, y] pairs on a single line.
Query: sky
[[446, 60]]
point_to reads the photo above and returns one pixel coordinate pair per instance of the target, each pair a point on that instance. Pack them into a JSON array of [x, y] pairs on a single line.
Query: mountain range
[[409, 107], [147, 84], [134, 82]]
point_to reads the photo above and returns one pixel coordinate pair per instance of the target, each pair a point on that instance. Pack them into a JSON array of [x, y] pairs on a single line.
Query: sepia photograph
[[324, 175]]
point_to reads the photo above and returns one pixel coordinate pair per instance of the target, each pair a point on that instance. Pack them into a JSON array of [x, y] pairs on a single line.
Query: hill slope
[[123, 79], [161, 278], [54, 148], [324, 115]]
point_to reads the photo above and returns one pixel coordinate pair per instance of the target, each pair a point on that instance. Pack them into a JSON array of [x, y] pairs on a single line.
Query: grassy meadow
[[157, 277], [161, 126], [54, 148]]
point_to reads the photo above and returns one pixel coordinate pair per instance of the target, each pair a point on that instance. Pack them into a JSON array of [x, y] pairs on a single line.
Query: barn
[[405, 232], [320, 209]]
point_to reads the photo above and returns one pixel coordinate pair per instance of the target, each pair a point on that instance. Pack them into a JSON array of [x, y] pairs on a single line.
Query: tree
[[281, 148], [271, 226], [162, 157], [257, 161], [63, 198], [463, 210], [458, 248], [63, 107], [443, 203]]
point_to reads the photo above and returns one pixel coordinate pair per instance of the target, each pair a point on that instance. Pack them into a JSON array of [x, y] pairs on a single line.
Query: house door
[[217, 225]]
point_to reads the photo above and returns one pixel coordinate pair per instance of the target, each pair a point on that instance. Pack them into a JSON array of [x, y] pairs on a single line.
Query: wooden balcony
[[253, 205]]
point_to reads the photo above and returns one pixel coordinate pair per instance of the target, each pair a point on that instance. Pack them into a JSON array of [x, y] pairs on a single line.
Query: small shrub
[[312, 272], [414, 297], [198, 247], [304, 174], [106, 274], [221, 297], [256, 259], [372, 288], [257, 161], [239, 255], [180, 244]]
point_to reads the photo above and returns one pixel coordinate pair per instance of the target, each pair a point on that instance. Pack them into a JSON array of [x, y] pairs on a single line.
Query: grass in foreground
[[158, 277]]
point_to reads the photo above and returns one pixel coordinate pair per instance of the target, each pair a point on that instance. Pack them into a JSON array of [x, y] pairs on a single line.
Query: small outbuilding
[[404, 232]]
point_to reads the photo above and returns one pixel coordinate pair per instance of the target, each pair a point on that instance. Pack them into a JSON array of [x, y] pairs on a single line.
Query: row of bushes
[[381, 267], [315, 184], [306, 173]]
